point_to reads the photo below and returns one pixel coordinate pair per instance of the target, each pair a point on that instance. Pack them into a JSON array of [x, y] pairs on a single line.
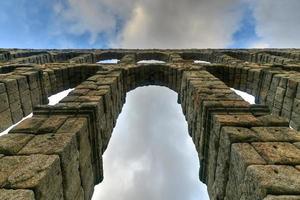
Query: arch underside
[[245, 151]]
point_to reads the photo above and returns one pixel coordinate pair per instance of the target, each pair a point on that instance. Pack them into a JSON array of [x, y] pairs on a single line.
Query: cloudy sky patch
[[149, 24]]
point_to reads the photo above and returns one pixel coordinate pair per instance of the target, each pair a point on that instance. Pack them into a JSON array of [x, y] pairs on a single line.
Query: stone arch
[[166, 165], [271, 85], [239, 145], [205, 56], [108, 55], [160, 56]]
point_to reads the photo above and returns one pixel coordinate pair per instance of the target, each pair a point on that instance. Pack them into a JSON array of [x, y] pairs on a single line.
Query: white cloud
[[177, 23], [181, 24], [92, 16], [259, 44], [277, 22], [155, 23]]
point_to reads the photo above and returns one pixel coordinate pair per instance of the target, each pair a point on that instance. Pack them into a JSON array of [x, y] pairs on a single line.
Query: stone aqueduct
[[247, 152]]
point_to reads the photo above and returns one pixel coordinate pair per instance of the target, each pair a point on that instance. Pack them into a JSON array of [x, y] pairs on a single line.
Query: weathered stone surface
[[228, 136], [276, 134], [79, 127], [51, 124], [16, 111], [280, 153], [6, 120], [2, 88], [38, 172], [242, 156], [65, 145], [282, 197], [273, 120], [30, 125], [261, 180], [4, 104], [26, 103], [11, 144], [16, 194], [219, 121]]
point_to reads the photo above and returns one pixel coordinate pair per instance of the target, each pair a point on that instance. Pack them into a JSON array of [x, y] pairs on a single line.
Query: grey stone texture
[[245, 151]]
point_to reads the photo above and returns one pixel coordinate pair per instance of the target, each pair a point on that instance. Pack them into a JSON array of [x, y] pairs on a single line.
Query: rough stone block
[[2, 88], [4, 104], [89, 99], [282, 197], [16, 111], [276, 134], [273, 120], [11, 85], [35, 97], [220, 120], [242, 120], [280, 153], [296, 106], [26, 103], [11, 144], [79, 92], [13, 97], [41, 173], [242, 156], [79, 127], [5, 119], [65, 145], [22, 82], [30, 125], [20, 194], [261, 180], [32, 79], [51, 124], [295, 121], [220, 171]]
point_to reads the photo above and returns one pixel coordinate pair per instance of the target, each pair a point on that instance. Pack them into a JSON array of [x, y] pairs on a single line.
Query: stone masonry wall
[[246, 151]]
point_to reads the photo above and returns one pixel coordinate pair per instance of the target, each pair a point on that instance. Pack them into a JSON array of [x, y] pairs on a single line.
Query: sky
[[149, 23], [150, 154]]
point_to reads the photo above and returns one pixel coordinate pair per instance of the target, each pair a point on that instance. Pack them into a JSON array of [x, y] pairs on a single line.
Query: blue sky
[[34, 24], [245, 34], [78, 24]]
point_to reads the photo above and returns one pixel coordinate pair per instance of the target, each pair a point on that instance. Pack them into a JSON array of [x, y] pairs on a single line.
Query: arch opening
[[201, 62], [108, 57], [196, 57], [246, 96], [152, 56], [109, 61], [152, 61], [53, 99], [150, 154]]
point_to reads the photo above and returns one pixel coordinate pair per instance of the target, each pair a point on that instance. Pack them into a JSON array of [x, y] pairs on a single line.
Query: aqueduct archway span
[[239, 145], [150, 149]]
